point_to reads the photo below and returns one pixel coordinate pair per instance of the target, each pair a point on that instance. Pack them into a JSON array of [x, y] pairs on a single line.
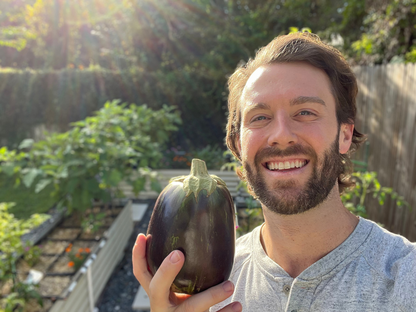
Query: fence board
[[386, 107]]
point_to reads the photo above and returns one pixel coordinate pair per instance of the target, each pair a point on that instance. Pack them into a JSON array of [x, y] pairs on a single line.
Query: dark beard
[[316, 189]]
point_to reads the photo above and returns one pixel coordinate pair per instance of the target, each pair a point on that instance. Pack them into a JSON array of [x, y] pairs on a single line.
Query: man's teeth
[[286, 164]]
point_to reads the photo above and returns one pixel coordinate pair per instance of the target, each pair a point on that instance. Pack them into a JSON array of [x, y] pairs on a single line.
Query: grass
[[26, 200]]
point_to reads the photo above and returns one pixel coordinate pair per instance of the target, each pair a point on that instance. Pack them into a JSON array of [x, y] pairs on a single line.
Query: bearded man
[[291, 123]]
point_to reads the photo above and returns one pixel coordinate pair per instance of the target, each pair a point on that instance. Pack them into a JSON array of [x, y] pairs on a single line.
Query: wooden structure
[[387, 114]]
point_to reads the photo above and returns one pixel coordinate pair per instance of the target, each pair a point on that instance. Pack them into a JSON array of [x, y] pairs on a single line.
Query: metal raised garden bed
[[65, 289]]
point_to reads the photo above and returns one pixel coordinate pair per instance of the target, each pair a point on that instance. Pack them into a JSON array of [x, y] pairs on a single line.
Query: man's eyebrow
[[306, 99], [258, 106]]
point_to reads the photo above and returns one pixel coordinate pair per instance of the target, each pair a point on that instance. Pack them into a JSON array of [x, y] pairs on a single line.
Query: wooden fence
[[387, 114]]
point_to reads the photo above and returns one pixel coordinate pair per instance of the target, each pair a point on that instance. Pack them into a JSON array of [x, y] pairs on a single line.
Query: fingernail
[[174, 257], [228, 286], [236, 307]]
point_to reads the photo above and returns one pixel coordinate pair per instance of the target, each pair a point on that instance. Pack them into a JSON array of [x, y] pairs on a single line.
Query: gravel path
[[121, 288]]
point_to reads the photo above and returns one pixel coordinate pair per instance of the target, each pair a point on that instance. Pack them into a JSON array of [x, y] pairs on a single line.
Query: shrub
[[367, 184], [87, 163], [11, 249], [33, 99]]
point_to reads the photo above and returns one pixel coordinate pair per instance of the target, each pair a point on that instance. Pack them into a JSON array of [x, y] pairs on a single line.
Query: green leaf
[[155, 186], [71, 185], [49, 167], [381, 198], [114, 177], [42, 184], [27, 143], [60, 205], [92, 185], [85, 198], [30, 177], [8, 169], [377, 184], [63, 174], [138, 185], [74, 162]]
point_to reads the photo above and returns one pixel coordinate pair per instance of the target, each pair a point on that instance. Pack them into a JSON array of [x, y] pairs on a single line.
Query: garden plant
[[79, 169], [87, 163], [11, 250]]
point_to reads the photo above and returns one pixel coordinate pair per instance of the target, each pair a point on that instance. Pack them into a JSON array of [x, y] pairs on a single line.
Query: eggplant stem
[[199, 179]]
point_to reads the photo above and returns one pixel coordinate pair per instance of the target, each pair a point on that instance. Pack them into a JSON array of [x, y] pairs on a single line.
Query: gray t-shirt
[[372, 270]]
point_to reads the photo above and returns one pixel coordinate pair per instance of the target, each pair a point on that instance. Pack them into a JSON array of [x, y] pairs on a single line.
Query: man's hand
[[158, 286]]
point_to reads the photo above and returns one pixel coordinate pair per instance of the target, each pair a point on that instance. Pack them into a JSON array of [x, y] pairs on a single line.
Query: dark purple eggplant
[[194, 214]]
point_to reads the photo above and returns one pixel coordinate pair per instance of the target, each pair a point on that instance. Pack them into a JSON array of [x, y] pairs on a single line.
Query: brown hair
[[301, 47]]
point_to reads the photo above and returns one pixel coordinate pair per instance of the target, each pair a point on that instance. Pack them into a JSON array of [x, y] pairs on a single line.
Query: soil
[[62, 233], [95, 235], [83, 244], [53, 286], [53, 247], [42, 265], [61, 266], [33, 306]]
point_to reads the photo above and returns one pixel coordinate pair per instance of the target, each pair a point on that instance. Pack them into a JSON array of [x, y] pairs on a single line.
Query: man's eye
[[258, 118], [306, 113]]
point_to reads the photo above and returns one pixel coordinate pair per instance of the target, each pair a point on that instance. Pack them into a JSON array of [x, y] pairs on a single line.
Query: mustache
[[292, 150]]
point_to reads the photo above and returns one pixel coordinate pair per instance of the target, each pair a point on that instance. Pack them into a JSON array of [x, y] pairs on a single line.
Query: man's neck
[[297, 241]]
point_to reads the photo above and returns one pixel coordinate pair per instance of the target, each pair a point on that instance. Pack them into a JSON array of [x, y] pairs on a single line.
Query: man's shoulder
[[393, 257], [389, 248]]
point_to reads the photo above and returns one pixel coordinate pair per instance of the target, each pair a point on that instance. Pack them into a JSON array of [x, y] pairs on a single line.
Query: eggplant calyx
[[199, 179]]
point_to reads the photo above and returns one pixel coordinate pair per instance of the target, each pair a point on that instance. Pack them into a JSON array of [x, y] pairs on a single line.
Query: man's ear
[[345, 137]]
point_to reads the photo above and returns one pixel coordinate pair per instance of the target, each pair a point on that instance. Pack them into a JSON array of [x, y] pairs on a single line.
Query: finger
[[140, 263], [232, 307], [206, 299], [164, 277]]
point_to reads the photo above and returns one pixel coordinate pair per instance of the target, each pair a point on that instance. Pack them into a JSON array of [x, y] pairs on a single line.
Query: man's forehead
[[254, 77], [250, 92], [300, 79]]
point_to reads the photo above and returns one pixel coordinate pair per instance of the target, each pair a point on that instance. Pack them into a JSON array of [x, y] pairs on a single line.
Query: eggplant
[[194, 214]]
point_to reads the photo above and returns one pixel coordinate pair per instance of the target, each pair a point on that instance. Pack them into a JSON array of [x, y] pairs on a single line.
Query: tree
[[387, 32], [13, 32]]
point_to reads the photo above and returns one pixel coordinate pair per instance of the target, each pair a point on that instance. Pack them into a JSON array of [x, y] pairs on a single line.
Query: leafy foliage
[[11, 249], [92, 222], [88, 162], [368, 184], [387, 33], [162, 52], [36, 100]]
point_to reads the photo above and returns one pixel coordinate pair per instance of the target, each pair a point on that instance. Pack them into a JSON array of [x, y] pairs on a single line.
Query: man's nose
[[282, 132]]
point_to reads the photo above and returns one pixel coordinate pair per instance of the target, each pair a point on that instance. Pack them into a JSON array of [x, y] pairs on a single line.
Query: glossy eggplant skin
[[202, 227]]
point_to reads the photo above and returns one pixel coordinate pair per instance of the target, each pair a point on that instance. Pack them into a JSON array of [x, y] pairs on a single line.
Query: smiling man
[[289, 137], [291, 124]]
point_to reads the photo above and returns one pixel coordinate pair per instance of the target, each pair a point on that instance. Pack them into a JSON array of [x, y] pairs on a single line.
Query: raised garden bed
[[64, 287]]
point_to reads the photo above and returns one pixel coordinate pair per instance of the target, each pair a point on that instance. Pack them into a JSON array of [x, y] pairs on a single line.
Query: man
[[291, 124]]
